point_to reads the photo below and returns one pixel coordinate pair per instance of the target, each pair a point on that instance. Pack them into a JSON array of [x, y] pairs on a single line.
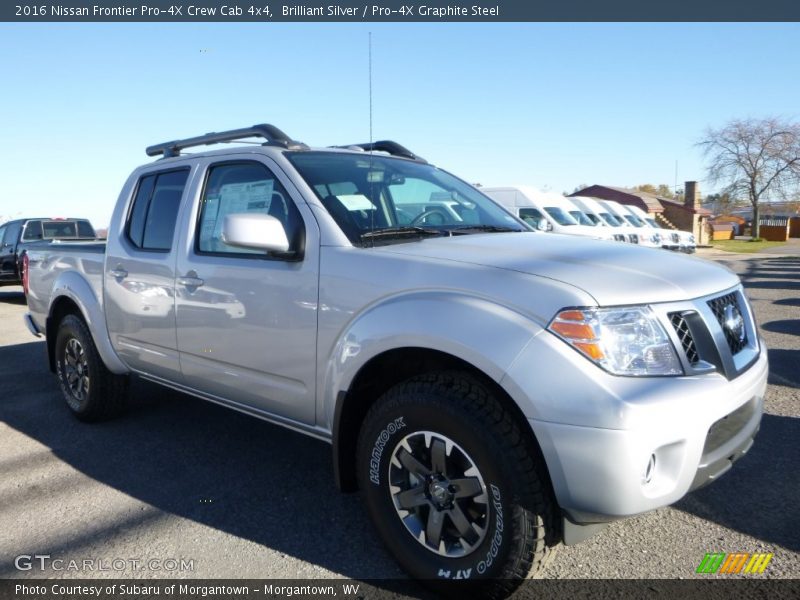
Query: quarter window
[[151, 225], [233, 188]]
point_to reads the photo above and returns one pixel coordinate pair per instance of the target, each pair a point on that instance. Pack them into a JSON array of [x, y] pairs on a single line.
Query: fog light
[[651, 468]]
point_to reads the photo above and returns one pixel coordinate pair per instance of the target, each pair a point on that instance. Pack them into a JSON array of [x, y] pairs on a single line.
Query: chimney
[[691, 197]]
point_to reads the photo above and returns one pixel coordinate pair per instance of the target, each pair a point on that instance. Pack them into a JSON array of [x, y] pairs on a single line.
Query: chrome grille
[[685, 337], [719, 306]]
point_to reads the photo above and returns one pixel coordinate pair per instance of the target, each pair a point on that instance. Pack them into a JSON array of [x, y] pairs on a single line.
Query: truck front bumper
[[689, 431]]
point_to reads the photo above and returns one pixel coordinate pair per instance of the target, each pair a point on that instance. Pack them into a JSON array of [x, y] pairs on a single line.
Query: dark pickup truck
[[18, 235]]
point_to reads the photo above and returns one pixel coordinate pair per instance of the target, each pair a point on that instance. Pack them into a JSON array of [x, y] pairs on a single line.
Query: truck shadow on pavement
[[787, 302], [759, 497], [194, 460], [12, 296], [784, 367], [787, 326]]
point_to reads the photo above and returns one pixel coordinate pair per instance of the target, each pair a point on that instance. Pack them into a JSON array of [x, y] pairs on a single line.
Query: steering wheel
[[423, 216]]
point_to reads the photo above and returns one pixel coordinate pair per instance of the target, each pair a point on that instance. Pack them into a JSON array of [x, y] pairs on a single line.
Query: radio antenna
[[371, 185], [370, 86]]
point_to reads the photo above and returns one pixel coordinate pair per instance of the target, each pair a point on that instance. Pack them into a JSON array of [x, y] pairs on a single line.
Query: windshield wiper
[[400, 232], [481, 229]]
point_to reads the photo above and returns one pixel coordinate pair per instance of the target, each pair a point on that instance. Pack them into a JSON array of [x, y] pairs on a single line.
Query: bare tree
[[759, 159], [662, 190]]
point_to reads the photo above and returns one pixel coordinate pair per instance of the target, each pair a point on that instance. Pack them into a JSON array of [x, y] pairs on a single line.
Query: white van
[[584, 216], [672, 239], [647, 235], [541, 210], [598, 212], [601, 231]]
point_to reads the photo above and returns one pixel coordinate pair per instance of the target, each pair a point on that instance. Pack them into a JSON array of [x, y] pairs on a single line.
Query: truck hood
[[612, 273]]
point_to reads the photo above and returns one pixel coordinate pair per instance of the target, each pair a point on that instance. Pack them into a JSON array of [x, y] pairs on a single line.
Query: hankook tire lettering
[[377, 450]]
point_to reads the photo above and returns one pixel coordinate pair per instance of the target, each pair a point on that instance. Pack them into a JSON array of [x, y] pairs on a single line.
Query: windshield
[[594, 218], [610, 219], [561, 217], [635, 221], [368, 194], [653, 224], [581, 218]]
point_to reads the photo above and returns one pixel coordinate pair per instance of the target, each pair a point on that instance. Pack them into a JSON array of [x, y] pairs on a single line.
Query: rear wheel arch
[[62, 307]]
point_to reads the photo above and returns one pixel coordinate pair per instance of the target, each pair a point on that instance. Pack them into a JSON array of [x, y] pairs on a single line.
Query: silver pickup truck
[[491, 390]]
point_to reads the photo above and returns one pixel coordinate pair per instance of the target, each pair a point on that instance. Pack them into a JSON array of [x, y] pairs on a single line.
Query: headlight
[[623, 341]]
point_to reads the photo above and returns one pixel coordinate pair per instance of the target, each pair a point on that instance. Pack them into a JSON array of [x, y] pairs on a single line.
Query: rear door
[[140, 275], [247, 319]]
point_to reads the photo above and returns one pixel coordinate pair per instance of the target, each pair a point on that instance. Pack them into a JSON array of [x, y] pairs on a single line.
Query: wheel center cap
[[439, 492]]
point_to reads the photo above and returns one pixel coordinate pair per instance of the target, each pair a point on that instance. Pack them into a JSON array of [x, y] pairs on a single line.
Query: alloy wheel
[[439, 494]]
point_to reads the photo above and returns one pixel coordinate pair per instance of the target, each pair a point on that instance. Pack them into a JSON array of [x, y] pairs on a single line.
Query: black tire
[[517, 519], [93, 393]]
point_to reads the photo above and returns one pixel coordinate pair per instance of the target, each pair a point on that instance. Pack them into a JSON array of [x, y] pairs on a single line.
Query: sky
[[550, 105]]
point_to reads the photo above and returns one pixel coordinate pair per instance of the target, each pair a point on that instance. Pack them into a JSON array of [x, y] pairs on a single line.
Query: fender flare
[[72, 286], [478, 332]]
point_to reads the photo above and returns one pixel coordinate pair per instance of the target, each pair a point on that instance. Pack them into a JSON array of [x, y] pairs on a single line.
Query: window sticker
[[356, 202]]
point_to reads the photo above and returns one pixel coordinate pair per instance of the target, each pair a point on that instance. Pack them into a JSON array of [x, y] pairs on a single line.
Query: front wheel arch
[[388, 369]]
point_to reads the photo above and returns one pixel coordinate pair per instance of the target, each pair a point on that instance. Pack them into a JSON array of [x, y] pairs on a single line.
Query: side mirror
[[257, 231], [544, 225]]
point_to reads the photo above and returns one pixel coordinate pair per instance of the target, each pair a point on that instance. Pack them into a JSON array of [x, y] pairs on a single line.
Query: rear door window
[[151, 223], [33, 231]]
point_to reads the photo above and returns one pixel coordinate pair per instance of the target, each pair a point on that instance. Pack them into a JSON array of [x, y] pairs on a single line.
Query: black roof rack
[[273, 135], [388, 146]]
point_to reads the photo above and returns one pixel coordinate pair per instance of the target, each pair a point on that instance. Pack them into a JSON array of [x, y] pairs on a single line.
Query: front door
[[247, 319]]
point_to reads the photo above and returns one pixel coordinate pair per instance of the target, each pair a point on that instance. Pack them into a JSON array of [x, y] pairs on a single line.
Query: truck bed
[[55, 263]]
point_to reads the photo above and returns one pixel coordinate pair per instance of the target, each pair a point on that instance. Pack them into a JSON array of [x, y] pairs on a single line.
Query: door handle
[[190, 281], [118, 273]]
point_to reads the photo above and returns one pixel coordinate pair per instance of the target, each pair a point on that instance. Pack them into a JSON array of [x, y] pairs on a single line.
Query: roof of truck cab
[[267, 150]]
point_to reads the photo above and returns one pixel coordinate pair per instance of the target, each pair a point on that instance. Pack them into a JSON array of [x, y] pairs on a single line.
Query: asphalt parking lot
[[178, 479]]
